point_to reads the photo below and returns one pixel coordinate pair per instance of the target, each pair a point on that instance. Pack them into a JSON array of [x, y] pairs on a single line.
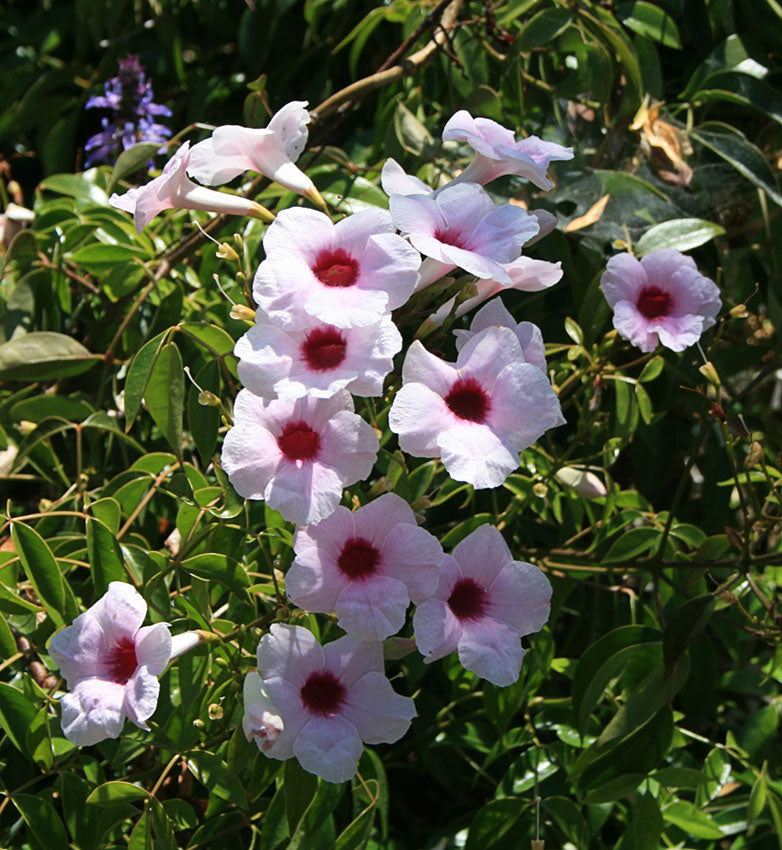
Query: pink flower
[[298, 455], [366, 566], [484, 604], [461, 226], [174, 190], [110, 664], [260, 721], [495, 314], [231, 150], [663, 296], [476, 414], [326, 699], [346, 274], [526, 274], [395, 181], [497, 152], [317, 360]]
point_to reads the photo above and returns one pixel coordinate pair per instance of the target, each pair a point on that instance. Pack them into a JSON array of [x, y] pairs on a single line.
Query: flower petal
[[153, 647], [93, 711], [141, 695], [373, 609], [379, 714], [492, 650], [329, 747], [290, 653]]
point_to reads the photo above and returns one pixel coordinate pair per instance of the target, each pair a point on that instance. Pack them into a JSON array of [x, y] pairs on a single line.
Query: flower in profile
[[661, 297], [110, 664], [484, 604], [496, 314], [347, 274], [174, 190], [317, 360], [231, 150], [461, 226], [365, 566], [319, 703], [129, 96], [498, 153], [298, 455], [478, 413]]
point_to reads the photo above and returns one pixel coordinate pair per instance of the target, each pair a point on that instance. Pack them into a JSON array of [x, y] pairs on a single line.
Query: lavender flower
[[129, 96]]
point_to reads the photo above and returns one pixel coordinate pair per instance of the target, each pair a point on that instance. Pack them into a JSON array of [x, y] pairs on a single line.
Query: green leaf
[[569, 818], [204, 420], [644, 404], [650, 21], [683, 626], [693, 822], [138, 377], [356, 834], [216, 340], [644, 825], [16, 715], [40, 407], [42, 820], [615, 789], [745, 157], [41, 569], [131, 160], [631, 544], [165, 395], [679, 777], [759, 731], [111, 793], [210, 770], [75, 187], [652, 369], [744, 89], [216, 567], [38, 740], [493, 822], [108, 511], [43, 355], [679, 234], [98, 256], [541, 29], [730, 55], [317, 812], [104, 554]]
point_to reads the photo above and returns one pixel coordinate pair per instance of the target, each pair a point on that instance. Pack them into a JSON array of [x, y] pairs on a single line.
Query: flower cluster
[[323, 333], [129, 97]]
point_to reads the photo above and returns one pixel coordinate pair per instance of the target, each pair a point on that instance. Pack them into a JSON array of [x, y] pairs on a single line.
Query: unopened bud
[[26, 427], [208, 399], [15, 191], [225, 251], [314, 195], [242, 313], [215, 711], [583, 483], [738, 312], [382, 485], [540, 489], [238, 240], [710, 373], [754, 454], [259, 211]]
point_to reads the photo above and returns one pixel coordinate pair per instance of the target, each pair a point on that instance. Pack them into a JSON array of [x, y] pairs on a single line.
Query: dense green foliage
[[647, 712]]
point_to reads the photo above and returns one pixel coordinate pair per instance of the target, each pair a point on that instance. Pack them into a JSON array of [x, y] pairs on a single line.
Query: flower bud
[[582, 482], [710, 373], [242, 313], [208, 399], [225, 251], [754, 455]]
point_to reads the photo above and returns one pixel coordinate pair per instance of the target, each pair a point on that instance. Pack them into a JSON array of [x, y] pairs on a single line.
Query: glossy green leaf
[[684, 625], [74, 186], [204, 420], [138, 377], [652, 369], [680, 234], [111, 793], [217, 567], [16, 714], [693, 822], [42, 356], [541, 29], [105, 556], [645, 825], [631, 544], [650, 21], [41, 569], [165, 394], [42, 820], [40, 407], [131, 160], [96, 256], [493, 822]]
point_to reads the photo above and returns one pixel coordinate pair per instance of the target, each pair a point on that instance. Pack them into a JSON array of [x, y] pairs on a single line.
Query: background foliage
[[648, 709]]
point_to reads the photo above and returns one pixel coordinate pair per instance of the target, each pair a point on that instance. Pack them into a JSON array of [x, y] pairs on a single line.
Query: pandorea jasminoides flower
[[317, 360], [298, 455], [231, 150], [663, 296], [483, 606], [526, 274], [319, 703], [461, 226], [495, 314], [476, 414], [497, 152], [365, 566], [111, 664], [346, 274], [174, 190]]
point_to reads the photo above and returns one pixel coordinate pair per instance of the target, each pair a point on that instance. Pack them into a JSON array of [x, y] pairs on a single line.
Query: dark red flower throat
[[467, 400], [298, 441], [336, 268], [653, 302], [322, 693], [122, 661]]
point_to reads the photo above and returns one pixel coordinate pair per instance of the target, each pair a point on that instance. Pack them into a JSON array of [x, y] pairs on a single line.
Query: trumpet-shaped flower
[[174, 190], [110, 664], [484, 604], [496, 314], [476, 414], [298, 455], [498, 153], [461, 226], [661, 297], [365, 566], [319, 703], [317, 360], [232, 150], [347, 274]]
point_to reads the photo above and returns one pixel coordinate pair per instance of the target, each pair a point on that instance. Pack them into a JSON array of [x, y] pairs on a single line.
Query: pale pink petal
[[379, 518], [184, 642], [437, 630], [348, 308], [373, 609], [354, 231], [289, 123], [324, 540], [260, 722], [250, 457], [487, 353], [475, 262], [678, 332], [120, 611], [474, 453], [395, 182], [350, 446], [300, 231], [502, 231], [214, 169], [329, 747], [391, 265], [491, 650], [304, 493], [532, 345], [80, 649], [464, 208], [423, 367], [623, 279], [413, 556], [288, 706], [520, 596], [350, 658], [660, 266], [141, 695], [313, 581], [153, 647], [633, 326], [290, 653], [482, 555], [379, 714], [418, 416], [418, 214], [93, 712]]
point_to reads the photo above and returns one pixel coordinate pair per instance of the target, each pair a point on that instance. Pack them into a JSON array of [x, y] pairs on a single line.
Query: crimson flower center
[[122, 661], [298, 441], [653, 302], [358, 559], [336, 268], [450, 236], [322, 693], [324, 349], [467, 400], [467, 599]]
